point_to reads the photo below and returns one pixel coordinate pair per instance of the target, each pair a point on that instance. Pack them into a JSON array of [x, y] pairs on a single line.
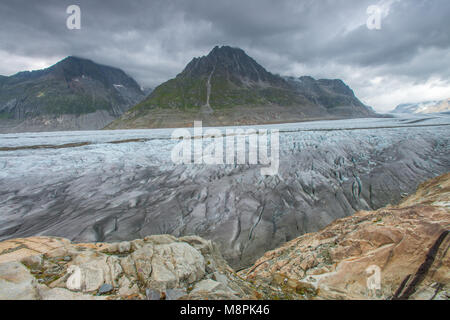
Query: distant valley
[[424, 107]]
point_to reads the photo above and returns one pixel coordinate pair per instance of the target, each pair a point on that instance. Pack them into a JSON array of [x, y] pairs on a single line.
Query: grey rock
[[124, 246], [16, 282], [174, 264], [209, 285], [152, 294], [84, 278], [64, 294], [142, 260], [219, 277], [126, 287], [34, 261], [105, 288], [89, 271], [157, 270], [175, 294]]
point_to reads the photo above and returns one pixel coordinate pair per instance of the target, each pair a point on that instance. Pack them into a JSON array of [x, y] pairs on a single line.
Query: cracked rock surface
[[398, 252], [156, 267]]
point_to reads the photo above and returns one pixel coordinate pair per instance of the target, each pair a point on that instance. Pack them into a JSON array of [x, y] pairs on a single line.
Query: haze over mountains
[[424, 107], [227, 87], [74, 94]]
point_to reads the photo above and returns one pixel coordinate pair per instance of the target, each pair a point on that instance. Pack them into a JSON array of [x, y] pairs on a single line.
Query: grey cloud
[[153, 40]]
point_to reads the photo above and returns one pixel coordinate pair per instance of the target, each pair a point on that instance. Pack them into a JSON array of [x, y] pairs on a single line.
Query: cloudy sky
[[407, 60]]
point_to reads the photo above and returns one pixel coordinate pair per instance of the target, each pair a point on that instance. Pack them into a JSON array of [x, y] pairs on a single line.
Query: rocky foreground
[[229, 88], [406, 246]]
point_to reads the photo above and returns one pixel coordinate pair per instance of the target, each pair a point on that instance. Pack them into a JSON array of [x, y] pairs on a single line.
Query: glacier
[[121, 185]]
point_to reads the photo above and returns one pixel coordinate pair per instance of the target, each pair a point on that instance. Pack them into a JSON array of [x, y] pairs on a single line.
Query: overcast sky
[[408, 60]]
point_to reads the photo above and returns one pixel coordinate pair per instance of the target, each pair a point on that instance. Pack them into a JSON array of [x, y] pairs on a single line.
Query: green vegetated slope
[[241, 92]]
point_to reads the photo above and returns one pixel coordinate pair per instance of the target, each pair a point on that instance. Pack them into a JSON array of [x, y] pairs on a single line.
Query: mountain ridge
[[75, 93], [228, 87], [424, 107]]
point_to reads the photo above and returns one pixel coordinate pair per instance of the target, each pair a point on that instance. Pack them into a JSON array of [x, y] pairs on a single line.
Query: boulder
[[210, 286], [16, 282]]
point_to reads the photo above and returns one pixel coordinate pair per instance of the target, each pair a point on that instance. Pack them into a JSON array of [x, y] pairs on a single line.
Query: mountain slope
[[227, 87], [334, 95], [424, 107], [73, 94]]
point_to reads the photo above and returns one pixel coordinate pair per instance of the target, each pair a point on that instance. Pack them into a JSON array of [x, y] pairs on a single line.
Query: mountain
[[146, 90], [424, 107], [73, 94], [334, 95], [227, 87]]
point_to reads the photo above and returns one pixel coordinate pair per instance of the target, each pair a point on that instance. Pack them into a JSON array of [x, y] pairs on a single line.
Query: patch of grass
[[190, 93]]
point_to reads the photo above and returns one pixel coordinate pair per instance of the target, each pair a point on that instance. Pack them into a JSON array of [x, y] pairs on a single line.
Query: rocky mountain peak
[[228, 81], [232, 63], [74, 86], [337, 85], [73, 67]]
